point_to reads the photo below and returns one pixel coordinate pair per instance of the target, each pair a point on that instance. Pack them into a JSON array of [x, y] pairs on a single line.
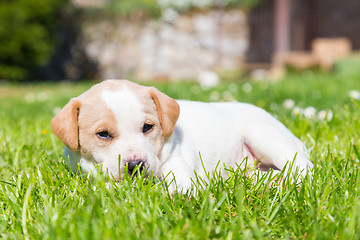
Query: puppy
[[167, 137]]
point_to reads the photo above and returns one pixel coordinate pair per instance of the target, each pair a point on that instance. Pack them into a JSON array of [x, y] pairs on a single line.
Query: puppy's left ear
[[168, 111], [65, 124]]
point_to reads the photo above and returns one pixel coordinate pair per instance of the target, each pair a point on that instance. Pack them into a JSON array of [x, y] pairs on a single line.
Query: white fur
[[225, 132], [219, 131], [130, 117]]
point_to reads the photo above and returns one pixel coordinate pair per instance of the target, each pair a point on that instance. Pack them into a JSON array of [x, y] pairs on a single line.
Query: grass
[[40, 198]]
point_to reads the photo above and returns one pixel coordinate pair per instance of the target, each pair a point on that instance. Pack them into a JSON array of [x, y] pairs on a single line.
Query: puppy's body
[[225, 132]]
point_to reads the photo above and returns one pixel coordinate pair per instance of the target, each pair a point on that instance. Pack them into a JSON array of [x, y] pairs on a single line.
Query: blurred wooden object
[[325, 52]]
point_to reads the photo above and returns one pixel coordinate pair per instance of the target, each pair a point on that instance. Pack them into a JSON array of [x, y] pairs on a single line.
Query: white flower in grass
[[208, 79], [325, 115], [322, 115], [288, 104], [297, 111], [214, 96], [227, 96], [30, 97], [43, 96], [247, 87], [233, 87], [309, 112], [354, 94]]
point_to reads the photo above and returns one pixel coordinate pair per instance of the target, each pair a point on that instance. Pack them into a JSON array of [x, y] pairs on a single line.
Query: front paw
[[177, 185]]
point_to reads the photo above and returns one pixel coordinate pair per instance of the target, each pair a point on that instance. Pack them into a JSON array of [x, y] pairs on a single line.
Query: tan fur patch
[[94, 117]]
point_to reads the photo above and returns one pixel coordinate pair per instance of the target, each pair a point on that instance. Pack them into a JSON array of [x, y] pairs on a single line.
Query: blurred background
[[168, 40]]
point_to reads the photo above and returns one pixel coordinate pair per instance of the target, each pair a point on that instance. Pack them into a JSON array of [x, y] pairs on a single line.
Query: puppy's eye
[[147, 127], [103, 135]]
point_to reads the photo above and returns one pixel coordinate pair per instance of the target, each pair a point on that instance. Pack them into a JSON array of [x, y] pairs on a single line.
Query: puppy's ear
[[168, 111], [65, 124]]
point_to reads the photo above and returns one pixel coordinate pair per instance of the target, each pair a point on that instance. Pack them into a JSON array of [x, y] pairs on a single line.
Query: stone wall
[[180, 47]]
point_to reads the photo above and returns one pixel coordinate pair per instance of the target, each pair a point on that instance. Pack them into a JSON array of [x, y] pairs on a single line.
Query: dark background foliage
[[28, 33]]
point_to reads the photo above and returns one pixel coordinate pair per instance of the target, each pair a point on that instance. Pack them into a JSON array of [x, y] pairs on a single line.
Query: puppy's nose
[[132, 165]]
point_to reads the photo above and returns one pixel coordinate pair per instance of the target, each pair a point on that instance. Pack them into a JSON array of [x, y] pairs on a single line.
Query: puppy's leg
[[177, 175], [275, 145]]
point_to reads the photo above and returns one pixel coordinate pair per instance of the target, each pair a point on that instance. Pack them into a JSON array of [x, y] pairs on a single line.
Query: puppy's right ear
[[65, 124]]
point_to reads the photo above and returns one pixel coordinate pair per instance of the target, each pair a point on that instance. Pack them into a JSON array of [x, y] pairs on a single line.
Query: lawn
[[40, 198]]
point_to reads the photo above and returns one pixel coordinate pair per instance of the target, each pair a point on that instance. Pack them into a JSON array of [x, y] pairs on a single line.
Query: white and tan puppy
[[147, 128]]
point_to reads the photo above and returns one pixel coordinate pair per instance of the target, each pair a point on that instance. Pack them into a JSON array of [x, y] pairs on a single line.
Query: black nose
[[132, 165]]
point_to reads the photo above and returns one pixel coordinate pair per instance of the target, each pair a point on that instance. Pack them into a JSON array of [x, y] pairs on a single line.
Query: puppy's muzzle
[[132, 166]]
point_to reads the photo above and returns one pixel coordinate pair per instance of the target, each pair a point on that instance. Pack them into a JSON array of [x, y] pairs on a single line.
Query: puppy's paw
[[180, 187]]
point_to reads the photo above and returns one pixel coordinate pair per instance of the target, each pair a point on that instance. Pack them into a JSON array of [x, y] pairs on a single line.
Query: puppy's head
[[118, 117]]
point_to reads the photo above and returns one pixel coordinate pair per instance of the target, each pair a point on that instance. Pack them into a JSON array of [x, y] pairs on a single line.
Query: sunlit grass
[[40, 198]]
